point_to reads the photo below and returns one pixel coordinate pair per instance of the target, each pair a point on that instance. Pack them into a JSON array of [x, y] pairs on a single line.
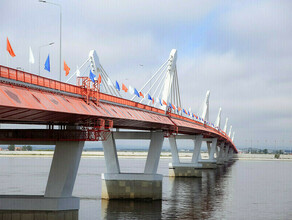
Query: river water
[[244, 190]]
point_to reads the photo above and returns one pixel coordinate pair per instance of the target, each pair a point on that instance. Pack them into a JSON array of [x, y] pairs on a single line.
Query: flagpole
[[60, 67]]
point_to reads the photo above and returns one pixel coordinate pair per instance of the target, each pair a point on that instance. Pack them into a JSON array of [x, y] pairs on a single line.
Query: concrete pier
[[192, 169], [185, 170], [57, 202], [118, 185], [131, 186]]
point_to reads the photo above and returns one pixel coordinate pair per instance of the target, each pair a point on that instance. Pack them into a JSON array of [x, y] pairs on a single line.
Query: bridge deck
[[31, 99]]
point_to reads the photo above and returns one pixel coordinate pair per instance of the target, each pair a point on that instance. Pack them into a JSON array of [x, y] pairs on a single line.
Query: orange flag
[[66, 68], [124, 88], [9, 48], [179, 109], [141, 94], [164, 103], [99, 79]]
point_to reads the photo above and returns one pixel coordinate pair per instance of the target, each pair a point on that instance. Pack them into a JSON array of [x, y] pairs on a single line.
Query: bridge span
[[72, 114]]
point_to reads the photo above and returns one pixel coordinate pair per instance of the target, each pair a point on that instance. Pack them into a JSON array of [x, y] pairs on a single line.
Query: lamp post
[[43, 1], [45, 45]]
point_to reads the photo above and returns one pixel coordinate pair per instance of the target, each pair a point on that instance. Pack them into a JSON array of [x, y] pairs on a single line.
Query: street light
[[45, 45], [43, 1]]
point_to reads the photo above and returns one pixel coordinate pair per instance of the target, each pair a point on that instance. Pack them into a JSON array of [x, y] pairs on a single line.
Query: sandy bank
[[139, 154]]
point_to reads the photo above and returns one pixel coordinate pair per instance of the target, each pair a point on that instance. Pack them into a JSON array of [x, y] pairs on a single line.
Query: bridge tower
[[205, 107], [225, 126]]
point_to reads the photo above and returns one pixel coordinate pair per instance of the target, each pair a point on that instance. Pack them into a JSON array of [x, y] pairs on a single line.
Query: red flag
[[141, 94], [99, 79], [152, 100], [173, 106], [124, 88], [164, 103], [66, 68], [9, 48], [179, 109]]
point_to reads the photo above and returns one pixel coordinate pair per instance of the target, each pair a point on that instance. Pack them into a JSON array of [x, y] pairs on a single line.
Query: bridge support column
[[178, 169], [211, 162], [147, 185], [57, 202], [220, 154], [226, 158]]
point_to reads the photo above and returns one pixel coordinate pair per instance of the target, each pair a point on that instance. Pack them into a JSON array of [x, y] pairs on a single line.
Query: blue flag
[[136, 92], [117, 86], [92, 76], [160, 102], [47, 64], [149, 97], [184, 111], [170, 105]]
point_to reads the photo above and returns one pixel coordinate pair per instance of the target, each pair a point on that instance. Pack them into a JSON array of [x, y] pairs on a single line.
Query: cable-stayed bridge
[[94, 110]]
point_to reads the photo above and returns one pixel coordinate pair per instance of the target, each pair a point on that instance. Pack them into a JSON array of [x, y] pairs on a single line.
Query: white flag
[[77, 72], [109, 82], [31, 57], [131, 90]]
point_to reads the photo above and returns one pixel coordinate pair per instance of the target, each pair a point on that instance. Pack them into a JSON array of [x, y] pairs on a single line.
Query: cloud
[[240, 50]]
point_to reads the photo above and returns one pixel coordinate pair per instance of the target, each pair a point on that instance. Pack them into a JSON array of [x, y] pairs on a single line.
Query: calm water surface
[[244, 190]]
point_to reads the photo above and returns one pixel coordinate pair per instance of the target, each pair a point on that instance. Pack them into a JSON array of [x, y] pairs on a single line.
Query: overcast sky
[[239, 50]]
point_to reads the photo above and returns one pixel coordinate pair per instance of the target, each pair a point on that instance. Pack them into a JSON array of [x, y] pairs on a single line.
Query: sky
[[239, 50]]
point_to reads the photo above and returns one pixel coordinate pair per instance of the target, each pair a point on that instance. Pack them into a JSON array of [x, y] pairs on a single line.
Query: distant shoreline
[[139, 154]]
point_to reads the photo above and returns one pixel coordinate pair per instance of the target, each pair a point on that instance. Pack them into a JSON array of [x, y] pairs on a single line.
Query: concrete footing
[[38, 207], [38, 215], [208, 164], [131, 186], [185, 170]]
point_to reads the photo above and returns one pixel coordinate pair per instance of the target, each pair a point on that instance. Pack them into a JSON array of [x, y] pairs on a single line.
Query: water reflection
[[196, 198], [127, 209]]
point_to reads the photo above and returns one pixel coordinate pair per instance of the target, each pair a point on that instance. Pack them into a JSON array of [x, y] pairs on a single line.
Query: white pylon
[[205, 107], [225, 126], [233, 136], [230, 130], [168, 83], [218, 119], [163, 85]]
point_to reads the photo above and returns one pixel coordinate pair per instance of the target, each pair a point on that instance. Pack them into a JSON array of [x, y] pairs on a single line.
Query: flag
[[179, 109], [184, 111], [31, 57], [153, 101], [131, 90], [9, 49], [124, 88], [66, 68], [77, 72], [164, 103], [173, 106], [47, 64], [136, 92], [109, 82], [149, 97], [99, 79], [92, 76], [188, 113], [118, 86], [141, 94]]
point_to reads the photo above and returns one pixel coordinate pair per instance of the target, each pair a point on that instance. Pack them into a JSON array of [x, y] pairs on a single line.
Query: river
[[247, 189]]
